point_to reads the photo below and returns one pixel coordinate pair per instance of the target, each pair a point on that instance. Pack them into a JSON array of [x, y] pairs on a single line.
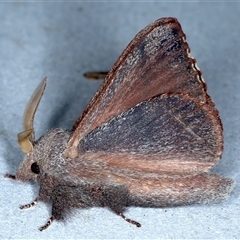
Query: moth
[[148, 137]]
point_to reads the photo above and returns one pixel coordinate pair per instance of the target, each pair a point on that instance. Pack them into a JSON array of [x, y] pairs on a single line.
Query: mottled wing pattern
[[156, 61]]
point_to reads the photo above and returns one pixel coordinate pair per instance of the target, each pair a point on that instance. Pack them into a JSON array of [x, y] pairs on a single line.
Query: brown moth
[[148, 137]]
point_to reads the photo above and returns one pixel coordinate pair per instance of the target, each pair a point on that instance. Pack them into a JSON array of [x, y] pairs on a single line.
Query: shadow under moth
[[148, 137]]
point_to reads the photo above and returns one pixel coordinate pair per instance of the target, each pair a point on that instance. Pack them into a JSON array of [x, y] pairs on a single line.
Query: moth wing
[[164, 136], [160, 151], [156, 61]]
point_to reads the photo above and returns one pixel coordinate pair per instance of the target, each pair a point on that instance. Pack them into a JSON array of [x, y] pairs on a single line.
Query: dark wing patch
[[168, 133], [156, 61]]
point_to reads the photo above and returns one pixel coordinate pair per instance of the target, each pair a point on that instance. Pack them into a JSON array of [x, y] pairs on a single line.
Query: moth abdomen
[[177, 191]]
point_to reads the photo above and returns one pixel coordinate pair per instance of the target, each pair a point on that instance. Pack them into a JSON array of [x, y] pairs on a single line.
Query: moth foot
[[47, 224], [129, 220], [32, 204], [10, 176]]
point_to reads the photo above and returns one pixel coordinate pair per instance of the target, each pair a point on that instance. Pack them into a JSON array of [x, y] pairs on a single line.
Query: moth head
[[29, 167]]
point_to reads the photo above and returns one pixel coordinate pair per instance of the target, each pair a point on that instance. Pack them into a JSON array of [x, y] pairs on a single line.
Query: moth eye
[[35, 168]]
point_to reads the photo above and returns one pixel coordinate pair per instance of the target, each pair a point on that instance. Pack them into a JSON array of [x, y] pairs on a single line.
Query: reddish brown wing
[[166, 135], [169, 136], [156, 61]]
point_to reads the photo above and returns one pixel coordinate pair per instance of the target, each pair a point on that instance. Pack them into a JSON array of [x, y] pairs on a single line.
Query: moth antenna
[[129, 220], [24, 140], [95, 75], [32, 105], [47, 224], [26, 137]]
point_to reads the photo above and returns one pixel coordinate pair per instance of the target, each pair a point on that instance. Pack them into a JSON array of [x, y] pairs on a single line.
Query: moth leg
[[60, 205], [13, 177], [116, 198], [23, 206], [43, 193], [129, 220], [95, 75], [47, 224], [32, 204]]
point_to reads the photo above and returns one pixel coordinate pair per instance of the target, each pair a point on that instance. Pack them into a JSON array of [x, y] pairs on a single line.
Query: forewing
[[163, 136], [156, 61]]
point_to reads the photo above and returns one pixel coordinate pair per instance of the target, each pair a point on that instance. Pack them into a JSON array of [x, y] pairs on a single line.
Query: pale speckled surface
[[64, 40]]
